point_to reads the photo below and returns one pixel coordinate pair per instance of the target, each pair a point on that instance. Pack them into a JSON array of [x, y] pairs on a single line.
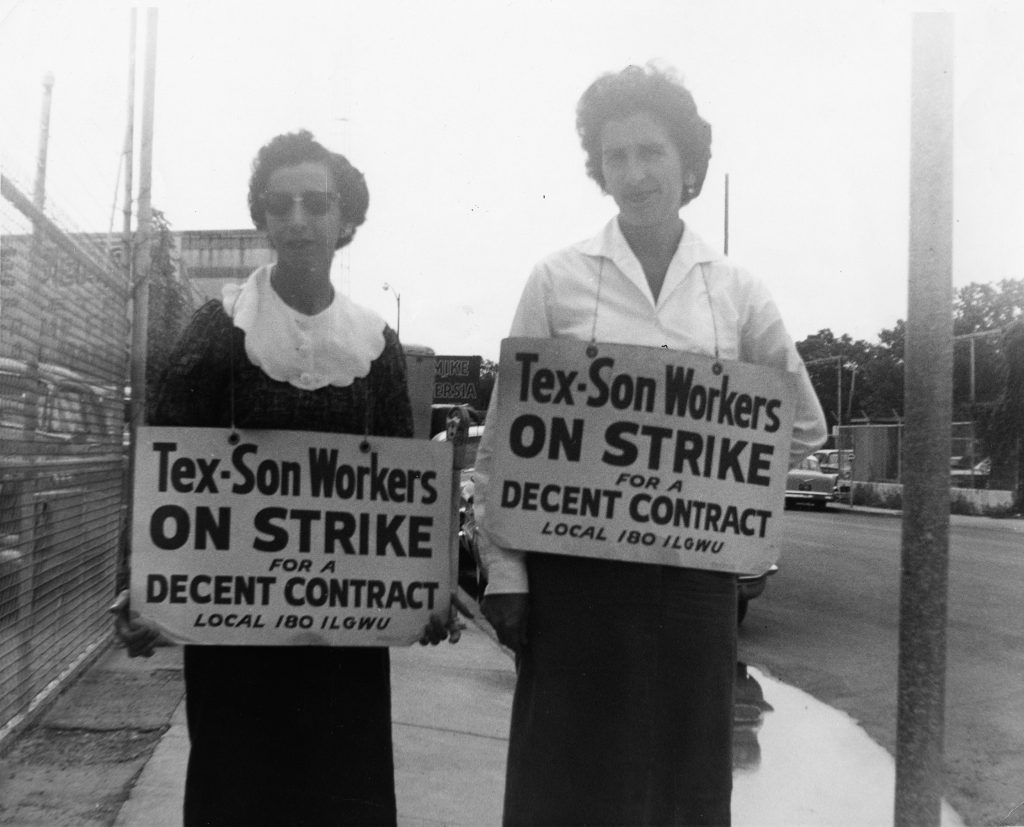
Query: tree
[[881, 377], [872, 375], [868, 377]]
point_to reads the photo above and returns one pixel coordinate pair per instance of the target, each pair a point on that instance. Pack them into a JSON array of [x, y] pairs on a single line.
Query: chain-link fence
[[876, 456], [63, 365]]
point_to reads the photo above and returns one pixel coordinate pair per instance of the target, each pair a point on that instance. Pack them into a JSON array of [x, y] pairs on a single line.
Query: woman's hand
[[137, 636], [439, 629], [508, 614]]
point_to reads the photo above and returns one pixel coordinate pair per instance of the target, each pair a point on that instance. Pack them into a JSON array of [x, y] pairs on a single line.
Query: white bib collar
[[333, 347]]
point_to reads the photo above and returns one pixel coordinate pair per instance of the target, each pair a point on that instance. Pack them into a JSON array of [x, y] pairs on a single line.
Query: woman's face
[[642, 170], [303, 216]]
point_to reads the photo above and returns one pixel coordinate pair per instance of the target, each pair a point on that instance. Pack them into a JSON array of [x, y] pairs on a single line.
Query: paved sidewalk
[[798, 762]]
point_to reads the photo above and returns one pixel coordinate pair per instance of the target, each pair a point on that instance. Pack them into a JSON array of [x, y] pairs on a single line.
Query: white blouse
[[596, 289], [333, 347]]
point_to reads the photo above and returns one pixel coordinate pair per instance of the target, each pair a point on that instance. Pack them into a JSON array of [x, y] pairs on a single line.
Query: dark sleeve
[[195, 382], [392, 413]]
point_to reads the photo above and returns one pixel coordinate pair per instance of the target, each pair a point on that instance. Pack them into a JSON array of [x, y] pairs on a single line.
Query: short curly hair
[[293, 148], [653, 90]]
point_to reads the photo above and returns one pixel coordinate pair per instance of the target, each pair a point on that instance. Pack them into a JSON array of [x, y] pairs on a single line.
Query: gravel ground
[[76, 765]]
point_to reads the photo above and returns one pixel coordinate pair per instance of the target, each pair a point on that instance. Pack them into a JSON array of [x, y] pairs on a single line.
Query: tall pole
[[39, 195], [839, 396], [929, 392], [128, 249], [398, 308], [129, 147], [725, 245], [143, 263]]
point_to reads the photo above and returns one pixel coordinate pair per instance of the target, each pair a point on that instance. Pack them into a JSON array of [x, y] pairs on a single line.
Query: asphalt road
[[828, 623]]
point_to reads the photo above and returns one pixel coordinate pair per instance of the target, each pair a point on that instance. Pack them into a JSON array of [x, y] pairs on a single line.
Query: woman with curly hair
[[289, 734], [623, 703]]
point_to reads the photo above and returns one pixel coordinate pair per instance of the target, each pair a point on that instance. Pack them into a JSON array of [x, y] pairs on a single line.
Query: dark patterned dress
[[284, 735]]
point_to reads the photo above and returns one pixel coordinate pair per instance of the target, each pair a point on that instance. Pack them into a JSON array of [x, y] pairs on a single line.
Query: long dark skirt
[[289, 735], [623, 704]]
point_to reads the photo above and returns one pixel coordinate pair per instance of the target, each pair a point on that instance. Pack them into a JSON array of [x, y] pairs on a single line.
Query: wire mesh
[[63, 363]]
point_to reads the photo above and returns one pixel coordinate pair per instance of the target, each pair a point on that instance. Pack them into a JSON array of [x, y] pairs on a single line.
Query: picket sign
[[638, 453], [283, 538]]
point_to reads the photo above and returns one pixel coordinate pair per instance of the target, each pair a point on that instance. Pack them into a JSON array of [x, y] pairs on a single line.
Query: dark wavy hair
[[658, 92], [299, 147]]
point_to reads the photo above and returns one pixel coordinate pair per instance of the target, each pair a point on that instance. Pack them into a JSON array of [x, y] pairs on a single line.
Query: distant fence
[[63, 366], [877, 458]]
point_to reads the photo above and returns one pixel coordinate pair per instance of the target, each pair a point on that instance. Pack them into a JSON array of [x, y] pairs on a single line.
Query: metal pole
[[129, 146], [39, 195], [929, 386], [725, 246], [839, 396], [972, 376], [140, 292], [128, 262], [970, 450], [398, 308], [853, 387]]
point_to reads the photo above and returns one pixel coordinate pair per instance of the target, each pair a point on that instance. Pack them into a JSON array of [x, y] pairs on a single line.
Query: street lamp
[[398, 302]]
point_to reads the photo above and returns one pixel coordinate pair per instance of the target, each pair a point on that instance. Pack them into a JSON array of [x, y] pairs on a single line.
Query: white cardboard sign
[[290, 537], [640, 454]]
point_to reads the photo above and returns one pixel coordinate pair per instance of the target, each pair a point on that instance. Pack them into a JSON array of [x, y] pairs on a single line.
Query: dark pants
[[288, 736], [623, 704]]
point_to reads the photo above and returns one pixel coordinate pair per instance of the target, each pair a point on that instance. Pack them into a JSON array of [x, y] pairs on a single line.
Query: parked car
[[962, 475], [750, 586], [472, 577], [838, 462], [63, 441], [806, 483]]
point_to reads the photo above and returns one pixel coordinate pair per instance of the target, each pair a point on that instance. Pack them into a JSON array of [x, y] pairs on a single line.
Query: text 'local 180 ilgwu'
[[639, 453], [290, 537]]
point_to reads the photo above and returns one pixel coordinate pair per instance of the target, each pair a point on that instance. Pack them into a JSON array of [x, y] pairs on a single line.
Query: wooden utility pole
[[929, 411]]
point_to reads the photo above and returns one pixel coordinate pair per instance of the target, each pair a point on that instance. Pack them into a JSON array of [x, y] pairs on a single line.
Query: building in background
[[209, 259]]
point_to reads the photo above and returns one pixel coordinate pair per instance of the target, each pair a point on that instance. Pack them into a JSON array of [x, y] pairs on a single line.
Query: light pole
[[839, 387], [398, 303]]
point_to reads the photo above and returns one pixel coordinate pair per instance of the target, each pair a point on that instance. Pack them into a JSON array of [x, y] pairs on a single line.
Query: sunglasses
[[279, 204]]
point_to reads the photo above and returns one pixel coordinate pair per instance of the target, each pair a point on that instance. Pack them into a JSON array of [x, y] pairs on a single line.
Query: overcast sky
[[461, 115]]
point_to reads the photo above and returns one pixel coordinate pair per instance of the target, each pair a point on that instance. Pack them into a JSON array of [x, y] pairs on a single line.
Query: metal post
[[129, 147], [140, 292], [925, 557], [853, 387], [39, 195], [839, 395], [398, 308], [128, 261], [725, 246], [971, 338]]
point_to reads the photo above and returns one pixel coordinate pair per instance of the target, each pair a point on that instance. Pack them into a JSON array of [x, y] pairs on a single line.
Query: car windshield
[[16, 395], [809, 464]]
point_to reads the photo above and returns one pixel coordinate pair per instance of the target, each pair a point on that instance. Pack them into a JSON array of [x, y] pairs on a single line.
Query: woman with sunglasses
[[290, 735]]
